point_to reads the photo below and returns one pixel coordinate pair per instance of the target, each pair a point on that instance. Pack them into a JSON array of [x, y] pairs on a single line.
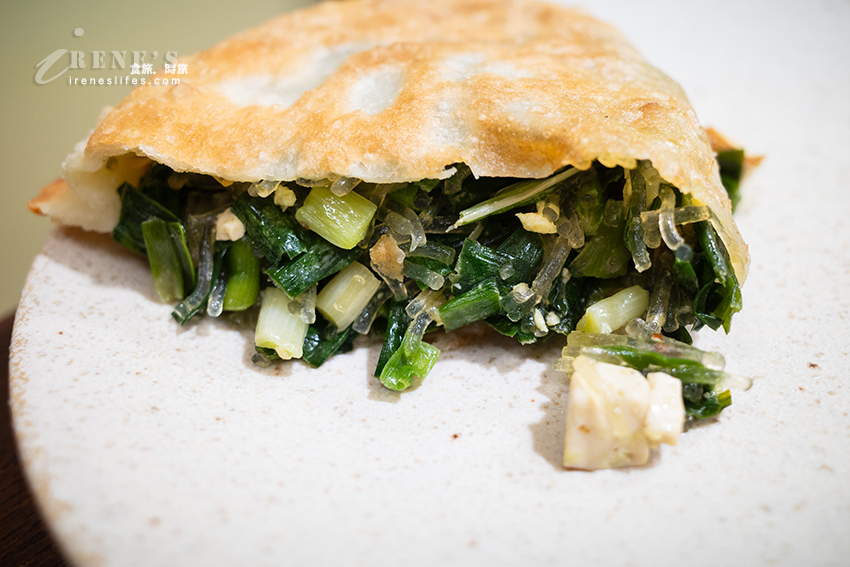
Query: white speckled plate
[[148, 444]]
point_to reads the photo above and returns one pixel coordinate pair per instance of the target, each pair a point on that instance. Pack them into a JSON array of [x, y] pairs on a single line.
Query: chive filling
[[606, 251]]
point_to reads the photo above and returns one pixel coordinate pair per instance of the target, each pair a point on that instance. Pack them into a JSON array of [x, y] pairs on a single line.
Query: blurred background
[[41, 123]]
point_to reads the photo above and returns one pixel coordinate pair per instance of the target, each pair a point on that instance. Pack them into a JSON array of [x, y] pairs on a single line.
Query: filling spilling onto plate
[[618, 260]]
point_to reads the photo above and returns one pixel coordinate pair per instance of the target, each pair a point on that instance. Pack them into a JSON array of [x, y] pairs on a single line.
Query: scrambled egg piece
[[537, 222], [284, 197], [228, 226]]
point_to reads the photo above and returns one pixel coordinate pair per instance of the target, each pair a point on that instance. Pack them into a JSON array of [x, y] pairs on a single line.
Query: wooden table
[[24, 539]]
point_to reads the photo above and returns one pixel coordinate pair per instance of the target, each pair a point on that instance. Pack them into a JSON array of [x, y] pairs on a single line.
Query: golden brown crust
[[513, 89], [51, 191], [719, 143], [390, 91]]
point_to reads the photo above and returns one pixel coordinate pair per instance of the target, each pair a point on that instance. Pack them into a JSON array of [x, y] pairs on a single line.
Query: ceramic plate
[[149, 444]]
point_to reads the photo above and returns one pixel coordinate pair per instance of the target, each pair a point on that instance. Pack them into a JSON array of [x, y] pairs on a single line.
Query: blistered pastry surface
[[398, 91]]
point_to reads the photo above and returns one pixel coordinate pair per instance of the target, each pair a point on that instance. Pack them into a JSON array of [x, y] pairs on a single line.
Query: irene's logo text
[[140, 63]]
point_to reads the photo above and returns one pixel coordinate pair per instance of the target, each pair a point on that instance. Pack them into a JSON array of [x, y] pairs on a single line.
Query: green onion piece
[[528, 324], [405, 194], [181, 244], [522, 299], [715, 251], [478, 303], [511, 329], [568, 300], [731, 164], [614, 312], [156, 185], [320, 345], [401, 368], [427, 185], [516, 195], [685, 369], [708, 404], [513, 262], [475, 264], [323, 259], [717, 301], [243, 276], [685, 276], [397, 323], [342, 221], [589, 203], [165, 265], [279, 325], [681, 334], [347, 294], [525, 250], [137, 208], [668, 348], [271, 230], [605, 255]]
